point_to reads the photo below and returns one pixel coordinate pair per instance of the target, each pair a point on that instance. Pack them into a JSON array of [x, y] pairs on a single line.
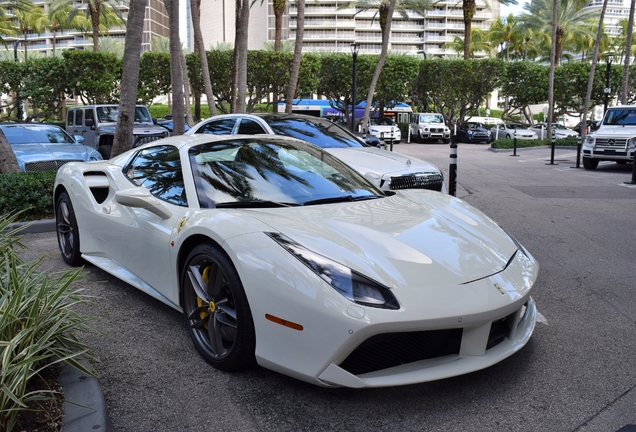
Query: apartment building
[[328, 28], [616, 11], [155, 24]]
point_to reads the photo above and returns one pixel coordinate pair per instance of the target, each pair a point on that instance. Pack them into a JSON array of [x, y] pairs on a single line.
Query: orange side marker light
[[283, 322]]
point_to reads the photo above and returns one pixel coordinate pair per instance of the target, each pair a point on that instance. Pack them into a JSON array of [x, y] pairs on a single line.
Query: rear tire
[[589, 163], [105, 150], [67, 231]]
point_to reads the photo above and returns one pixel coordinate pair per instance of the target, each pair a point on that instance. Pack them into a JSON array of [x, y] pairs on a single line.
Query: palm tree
[[31, 20], [468, 9], [481, 42], [112, 45], [572, 20], [381, 8], [129, 79], [507, 33], [628, 52], [239, 71], [176, 72], [203, 59], [99, 12], [298, 48]]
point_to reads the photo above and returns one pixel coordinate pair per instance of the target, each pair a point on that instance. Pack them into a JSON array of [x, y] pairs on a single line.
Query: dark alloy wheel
[[216, 310], [105, 151], [508, 135], [67, 231]]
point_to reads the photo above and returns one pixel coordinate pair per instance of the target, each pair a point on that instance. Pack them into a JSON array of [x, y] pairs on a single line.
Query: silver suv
[[96, 123]]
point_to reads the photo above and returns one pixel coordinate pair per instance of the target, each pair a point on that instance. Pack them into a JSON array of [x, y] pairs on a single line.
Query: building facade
[[329, 28], [616, 11], [155, 24]]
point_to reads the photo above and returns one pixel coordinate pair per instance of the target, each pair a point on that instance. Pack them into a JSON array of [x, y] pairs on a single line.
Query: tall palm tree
[[239, 71], [99, 12], [31, 20], [298, 48], [481, 42], [129, 79], [468, 9], [508, 34], [112, 45], [203, 59], [571, 19], [59, 19], [628, 52], [176, 72]]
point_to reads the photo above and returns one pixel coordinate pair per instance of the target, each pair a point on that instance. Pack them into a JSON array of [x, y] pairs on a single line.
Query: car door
[[88, 127], [139, 239]]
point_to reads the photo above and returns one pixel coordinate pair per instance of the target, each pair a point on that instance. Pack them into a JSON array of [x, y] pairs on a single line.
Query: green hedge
[[30, 193], [508, 143]]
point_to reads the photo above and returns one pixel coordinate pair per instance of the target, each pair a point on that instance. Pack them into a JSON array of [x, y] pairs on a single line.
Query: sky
[[514, 10]]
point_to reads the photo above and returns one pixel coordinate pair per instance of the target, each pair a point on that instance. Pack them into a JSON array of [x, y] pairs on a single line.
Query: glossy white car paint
[[560, 131], [449, 266], [377, 165]]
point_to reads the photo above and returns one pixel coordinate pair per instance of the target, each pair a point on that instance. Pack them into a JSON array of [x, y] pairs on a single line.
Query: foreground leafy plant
[[38, 326]]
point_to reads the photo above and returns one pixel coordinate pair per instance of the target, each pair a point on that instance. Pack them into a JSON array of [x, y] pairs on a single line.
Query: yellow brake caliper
[[205, 276]]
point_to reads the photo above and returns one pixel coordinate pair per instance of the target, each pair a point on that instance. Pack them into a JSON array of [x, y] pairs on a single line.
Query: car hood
[[615, 131], [380, 162], [384, 128], [411, 239], [39, 152]]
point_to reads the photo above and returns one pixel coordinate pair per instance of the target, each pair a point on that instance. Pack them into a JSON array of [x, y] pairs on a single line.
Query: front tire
[[216, 310], [105, 151], [589, 163], [67, 231]]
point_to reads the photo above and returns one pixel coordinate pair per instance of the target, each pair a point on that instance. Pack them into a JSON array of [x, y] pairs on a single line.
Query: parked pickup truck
[[96, 123], [429, 127], [614, 140]]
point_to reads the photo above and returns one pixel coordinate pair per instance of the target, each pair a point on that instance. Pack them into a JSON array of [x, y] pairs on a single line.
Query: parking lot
[[576, 374]]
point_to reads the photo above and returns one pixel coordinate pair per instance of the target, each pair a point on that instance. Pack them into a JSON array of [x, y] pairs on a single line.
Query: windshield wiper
[[254, 204], [344, 198]]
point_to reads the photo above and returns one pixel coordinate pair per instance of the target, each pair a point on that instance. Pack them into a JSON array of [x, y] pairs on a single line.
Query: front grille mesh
[[46, 165], [144, 139], [417, 181], [604, 142], [393, 349]]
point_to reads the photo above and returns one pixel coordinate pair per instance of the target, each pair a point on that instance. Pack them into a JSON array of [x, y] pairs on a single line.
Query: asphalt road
[[576, 374]]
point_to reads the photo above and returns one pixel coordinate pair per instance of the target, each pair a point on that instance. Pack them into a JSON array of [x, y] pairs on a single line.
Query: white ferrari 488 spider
[[279, 254]]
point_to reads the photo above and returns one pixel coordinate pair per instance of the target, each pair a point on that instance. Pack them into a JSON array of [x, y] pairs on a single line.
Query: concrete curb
[[41, 226], [84, 403]]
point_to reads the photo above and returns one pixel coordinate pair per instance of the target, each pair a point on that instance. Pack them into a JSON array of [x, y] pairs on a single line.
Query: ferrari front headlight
[[351, 284]]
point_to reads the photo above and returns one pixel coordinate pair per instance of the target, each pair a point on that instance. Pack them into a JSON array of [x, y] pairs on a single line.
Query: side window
[[88, 114], [78, 117], [219, 127], [70, 118], [250, 127], [158, 169]]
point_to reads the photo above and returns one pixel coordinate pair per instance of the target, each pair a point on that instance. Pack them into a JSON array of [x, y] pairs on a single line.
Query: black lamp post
[[355, 47], [608, 89]]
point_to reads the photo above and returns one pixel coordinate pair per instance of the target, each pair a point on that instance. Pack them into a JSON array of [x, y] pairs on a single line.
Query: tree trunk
[[628, 53], [240, 47], [8, 162], [94, 9], [129, 79], [468, 8], [553, 56], [203, 58], [386, 16], [187, 90], [298, 48], [176, 75], [590, 81]]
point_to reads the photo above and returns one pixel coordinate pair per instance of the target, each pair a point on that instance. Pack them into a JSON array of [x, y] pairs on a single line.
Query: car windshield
[[272, 172], [620, 117], [36, 134], [516, 126], [432, 118], [382, 121], [108, 114], [320, 132], [473, 125]]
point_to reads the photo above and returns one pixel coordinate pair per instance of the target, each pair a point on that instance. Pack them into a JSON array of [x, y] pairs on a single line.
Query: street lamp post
[[608, 89], [355, 47]]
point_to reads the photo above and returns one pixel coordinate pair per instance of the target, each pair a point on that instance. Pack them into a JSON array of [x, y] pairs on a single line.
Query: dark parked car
[[592, 124], [471, 132], [43, 147]]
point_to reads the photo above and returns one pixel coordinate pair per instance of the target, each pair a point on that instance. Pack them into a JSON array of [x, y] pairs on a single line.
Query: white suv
[[614, 140], [429, 127]]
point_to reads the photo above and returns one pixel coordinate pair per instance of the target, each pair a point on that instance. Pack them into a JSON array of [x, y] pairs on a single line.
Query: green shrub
[[404, 130], [38, 326], [30, 193], [508, 143], [158, 110]]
